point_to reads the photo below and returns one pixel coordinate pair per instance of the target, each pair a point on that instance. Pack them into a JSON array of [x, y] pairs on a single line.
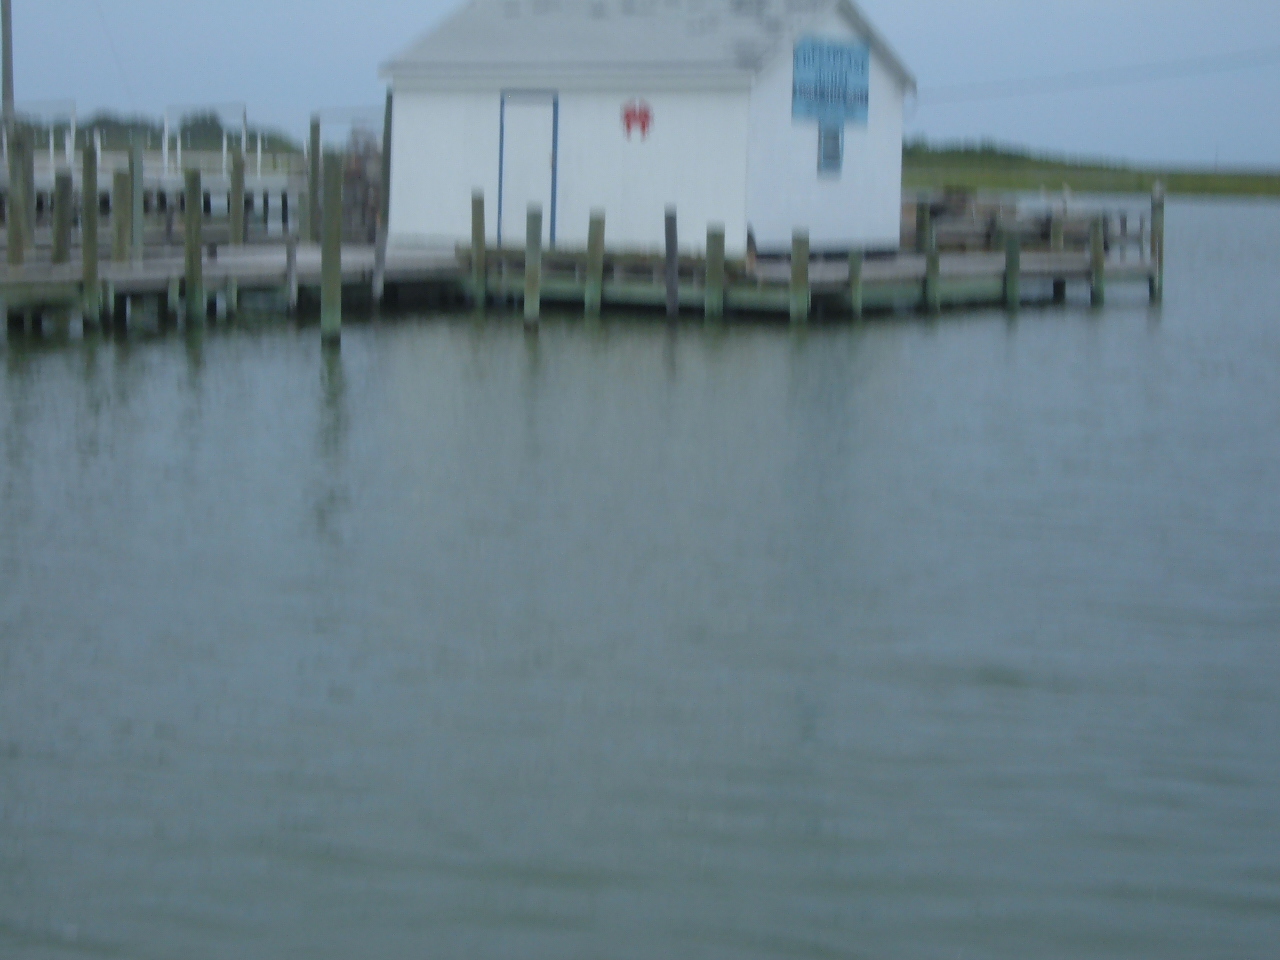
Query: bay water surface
[[935, 640]]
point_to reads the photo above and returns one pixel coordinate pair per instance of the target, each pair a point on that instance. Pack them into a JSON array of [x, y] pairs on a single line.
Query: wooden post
[[136, 233], [291, 272], [1097, 264], [1157, 244], [384, 208], [1012, 270], [89, 291], [62, 218], [29, 188], [172, 300], [16, 208], [331, 251], [304, 217], [924, 225], [121, 210], [6, 27], [533, 265], [671, 273], [236, 203], [713, 293], [1058, 244], [932, 274], [856, 258], [194, 264], [313, 182], [593, 293], [479, 268], [799, 276]]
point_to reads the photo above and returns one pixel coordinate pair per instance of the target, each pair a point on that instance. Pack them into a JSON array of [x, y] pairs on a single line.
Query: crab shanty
[[759, 115]]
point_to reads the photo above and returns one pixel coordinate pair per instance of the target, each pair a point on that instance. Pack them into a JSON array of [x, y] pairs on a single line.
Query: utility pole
[[6, 13]]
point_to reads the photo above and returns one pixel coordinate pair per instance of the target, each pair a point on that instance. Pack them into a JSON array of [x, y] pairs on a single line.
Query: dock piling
[[89, 292], [533, 265], [932, 273], [1097, 264], [856, 258], [594, 290], [671, 272], [291, 272], [924, 224], [16, 207], [479, 268], [120, 215], [235, 211], [331, 251], [194, 264], [135, 211], [800, 297], [313, 182], [1012, 270], [1057, 244], [714, 285], [1157, 244], [62, 217]]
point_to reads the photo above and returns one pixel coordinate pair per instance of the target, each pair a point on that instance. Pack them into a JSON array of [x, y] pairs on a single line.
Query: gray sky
[[285, 59]]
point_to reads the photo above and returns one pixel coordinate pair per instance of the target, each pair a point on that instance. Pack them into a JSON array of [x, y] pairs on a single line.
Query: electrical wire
[[1098, 79], [124, 77]]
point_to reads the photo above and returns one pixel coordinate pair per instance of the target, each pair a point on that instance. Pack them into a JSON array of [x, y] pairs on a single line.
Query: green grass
[[988, 167]]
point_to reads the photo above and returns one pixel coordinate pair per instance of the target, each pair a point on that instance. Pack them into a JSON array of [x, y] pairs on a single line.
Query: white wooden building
[[761, 115]]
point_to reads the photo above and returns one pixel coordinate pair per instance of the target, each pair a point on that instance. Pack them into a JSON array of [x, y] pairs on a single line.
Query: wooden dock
[[197, 276]]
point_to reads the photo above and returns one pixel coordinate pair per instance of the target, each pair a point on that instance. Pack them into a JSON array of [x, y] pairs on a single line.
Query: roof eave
[[858, 20]]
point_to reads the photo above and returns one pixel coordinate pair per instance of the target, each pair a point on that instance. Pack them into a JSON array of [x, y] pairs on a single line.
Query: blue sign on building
[[831, 82]]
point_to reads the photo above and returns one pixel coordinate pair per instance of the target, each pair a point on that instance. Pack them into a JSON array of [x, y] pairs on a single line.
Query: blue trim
[[555, 153]]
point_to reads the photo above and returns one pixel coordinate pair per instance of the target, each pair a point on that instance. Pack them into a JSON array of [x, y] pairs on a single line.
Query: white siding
[[442, 148], [695, 156], [860, 207]]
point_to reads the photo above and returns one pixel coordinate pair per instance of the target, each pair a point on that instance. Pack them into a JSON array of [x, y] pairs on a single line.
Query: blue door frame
[[555, 152]]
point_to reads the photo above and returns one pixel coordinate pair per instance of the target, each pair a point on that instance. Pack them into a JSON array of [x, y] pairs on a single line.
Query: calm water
[[952, 640]]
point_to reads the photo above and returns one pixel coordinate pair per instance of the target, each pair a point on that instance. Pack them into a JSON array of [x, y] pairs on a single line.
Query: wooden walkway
[[1034, 262], [628, 281]]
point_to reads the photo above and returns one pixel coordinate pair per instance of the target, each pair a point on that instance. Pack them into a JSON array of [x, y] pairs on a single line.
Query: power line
[[124, 77], [1096, 79]]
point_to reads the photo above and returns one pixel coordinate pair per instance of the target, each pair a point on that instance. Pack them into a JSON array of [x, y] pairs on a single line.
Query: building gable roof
[[725, 39]]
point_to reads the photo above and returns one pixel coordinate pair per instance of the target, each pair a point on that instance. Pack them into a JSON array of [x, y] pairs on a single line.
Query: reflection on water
[[935, 640]]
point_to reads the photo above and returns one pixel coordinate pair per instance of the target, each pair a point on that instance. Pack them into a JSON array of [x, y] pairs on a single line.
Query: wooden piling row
[[593, 293], [856, 258], [134, 213], [313, 182], [800, 291], [1012, 271], [671, 263], [932, 272], [1157, 244], [1098, 263], [713, 289], [17, 206], [62, 217], [90, 293], [479, 275], [235, 212], [331, 251], [194, 264], [533, 265]]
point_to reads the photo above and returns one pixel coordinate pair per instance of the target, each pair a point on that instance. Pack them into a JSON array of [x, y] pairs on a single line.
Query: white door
[[528, 163]]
